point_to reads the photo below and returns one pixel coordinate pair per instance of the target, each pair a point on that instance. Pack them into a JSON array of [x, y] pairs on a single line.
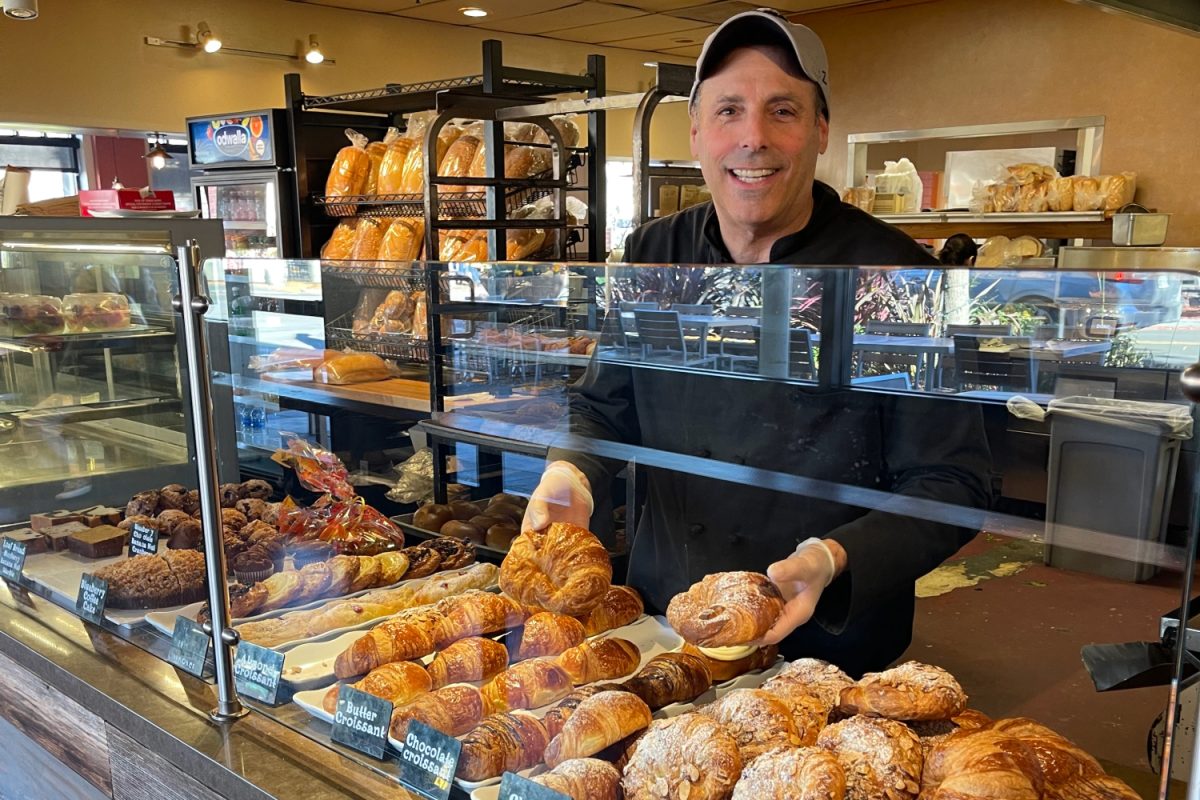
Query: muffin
[[252, 507], [253, 565], [171, 518], [229, 495], [144, 504], [270, 513], [187, 535], [233, 519], [255, 489], [172, 496], [258, 531], [274, 549], [191, 502]]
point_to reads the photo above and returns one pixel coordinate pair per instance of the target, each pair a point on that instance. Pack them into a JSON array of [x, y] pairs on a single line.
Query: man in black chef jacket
[[759, 119]]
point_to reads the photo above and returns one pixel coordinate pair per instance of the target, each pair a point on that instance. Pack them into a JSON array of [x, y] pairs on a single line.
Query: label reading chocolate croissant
[[361, 721], [428, 760], [514, 787]]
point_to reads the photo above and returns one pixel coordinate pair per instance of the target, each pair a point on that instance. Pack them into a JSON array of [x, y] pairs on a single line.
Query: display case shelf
[[1050, 225]]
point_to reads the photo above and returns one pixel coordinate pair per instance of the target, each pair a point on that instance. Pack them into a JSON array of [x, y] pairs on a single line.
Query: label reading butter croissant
[[731, 653], [361, 721]]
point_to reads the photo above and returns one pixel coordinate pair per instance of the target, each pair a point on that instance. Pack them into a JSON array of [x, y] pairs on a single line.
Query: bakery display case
[[1007, 500]]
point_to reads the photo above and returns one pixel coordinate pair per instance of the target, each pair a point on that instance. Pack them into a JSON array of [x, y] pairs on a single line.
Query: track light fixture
[[209, 42], [158, 154], [313, 54], [205, 38]]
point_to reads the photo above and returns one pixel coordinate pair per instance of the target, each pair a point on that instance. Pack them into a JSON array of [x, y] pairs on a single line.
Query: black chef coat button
[[704, 452], [695, 529]]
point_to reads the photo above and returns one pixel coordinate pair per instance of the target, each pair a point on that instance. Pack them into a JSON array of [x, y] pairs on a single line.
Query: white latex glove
[[801, 578], [563, 495]]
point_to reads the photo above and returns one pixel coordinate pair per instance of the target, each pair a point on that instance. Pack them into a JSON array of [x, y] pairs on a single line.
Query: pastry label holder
[[256, 672], [12, 560], [514, 787], [428, 761], [93, 595], [361, 721], [143, 540], [189, 646]]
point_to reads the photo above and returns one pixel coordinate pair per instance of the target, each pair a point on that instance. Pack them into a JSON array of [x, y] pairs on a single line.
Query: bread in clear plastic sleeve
[[377, 151], [520, 132], [412, 179], [1088, 196], [568, 131], [394, 314], [1118, 190], [347, 368], [369, 300], [447, 136], [403, 239], [524, 242], [351, 168], [524, 162], [420, 322], [1026, 174], [457, 162], [341, 242], [1004, 196], [368, 238], [1060, 194], [391, 167], [1031, 198]]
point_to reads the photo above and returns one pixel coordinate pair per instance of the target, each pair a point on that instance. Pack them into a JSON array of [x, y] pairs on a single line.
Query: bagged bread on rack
[[369, 238], [567, 130], [524, 242], [1004, 196], [393, 315], [1060, 194], [345, 368], [285, 358], [447, 136], [524, 162], [457, 162], [1027, 174], [341, 243], [464, 245], [351, 168], [1118, 190], [521, 132], [1031, 197], [420, 322], [368, 301], [403, 239], [1088, 196], [376, 151], [391, 168], [412, 179]]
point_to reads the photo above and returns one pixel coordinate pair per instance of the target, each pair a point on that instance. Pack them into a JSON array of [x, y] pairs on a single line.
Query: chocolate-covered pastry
[[256, 489], [191, 502], [455, 552], [233, 519], [252, 507], [127, 523], [422, 561], [170, 519], [186, 535], [229, 495], [142, 504], [173, 495]]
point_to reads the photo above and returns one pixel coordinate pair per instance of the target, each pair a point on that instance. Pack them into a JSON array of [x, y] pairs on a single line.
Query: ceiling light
[[158, 154], [472, 11], [21, 9], [314, 54], [650, 64], [206, 39]]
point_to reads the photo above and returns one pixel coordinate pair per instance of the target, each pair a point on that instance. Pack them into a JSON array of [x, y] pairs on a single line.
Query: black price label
[[361, 721], [428, 760], [143, 540], [514, 787], [256, 672], [93, 594], [189, 646], [12, 559]]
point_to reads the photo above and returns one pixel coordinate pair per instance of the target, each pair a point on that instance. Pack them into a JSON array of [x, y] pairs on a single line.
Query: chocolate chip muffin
[[172, 496], [229, 495], [143, 504], [255, 489], [187, 535], [170, 519], [233, 519], [252, 507], [270, 513], [191, 502], [253, 565]]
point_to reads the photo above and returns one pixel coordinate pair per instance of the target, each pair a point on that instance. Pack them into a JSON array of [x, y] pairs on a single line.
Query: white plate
[[652, 636], [61, 570], [166, 623]]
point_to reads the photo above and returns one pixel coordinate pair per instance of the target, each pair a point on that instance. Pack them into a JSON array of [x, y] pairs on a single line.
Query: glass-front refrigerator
[[242, 175]]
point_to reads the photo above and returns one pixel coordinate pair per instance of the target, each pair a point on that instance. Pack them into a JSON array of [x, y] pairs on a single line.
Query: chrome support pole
[[1189, 382], [192, 303]]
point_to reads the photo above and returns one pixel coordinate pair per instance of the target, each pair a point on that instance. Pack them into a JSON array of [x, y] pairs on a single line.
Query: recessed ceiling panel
[[662, 41], [564, 19], [647, 25]]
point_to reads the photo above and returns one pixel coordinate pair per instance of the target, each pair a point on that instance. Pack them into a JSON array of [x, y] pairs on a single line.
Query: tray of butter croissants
[[561, 678]]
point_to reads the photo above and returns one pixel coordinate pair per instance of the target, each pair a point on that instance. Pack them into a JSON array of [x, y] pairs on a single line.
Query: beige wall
[[83, 63], [961, 62]]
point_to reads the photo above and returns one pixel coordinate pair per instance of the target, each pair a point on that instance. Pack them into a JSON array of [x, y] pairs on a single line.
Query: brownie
[[100, 515], [99, 542], [57, 535], [41, 521], [34, 541]]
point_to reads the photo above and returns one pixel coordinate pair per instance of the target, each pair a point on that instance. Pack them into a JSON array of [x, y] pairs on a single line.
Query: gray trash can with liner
[[1112, 469]]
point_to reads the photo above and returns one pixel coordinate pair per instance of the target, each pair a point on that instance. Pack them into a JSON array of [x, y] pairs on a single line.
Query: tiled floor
[[1012, 631]]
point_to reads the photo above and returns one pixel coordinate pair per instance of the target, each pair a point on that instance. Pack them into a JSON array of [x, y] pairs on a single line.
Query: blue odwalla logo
[[232, 140]]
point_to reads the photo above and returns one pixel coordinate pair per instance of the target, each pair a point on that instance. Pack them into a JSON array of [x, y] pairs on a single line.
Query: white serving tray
[[165, 620], [60, 572]]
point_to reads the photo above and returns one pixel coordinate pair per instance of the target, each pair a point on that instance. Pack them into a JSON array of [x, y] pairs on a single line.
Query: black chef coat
[[908, 445]]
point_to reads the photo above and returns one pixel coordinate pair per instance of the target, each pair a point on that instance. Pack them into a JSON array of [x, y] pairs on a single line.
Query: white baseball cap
[[766, 26]]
